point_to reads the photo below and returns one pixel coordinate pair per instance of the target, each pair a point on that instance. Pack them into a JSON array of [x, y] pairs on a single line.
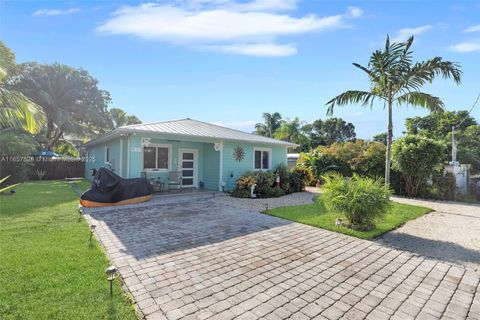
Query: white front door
[[188, 167]]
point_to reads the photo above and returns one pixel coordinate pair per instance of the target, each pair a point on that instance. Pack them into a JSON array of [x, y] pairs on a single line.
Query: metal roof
[[192, 128]]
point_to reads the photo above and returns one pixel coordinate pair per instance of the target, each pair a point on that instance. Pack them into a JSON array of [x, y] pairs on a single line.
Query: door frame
[[195, 165]]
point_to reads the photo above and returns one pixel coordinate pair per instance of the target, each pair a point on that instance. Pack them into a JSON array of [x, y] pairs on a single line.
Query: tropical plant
[[16, 110], [291, 131], [271, 122], [417, 158], [396, 80], [70, 99], [121, 118], [361, 200]]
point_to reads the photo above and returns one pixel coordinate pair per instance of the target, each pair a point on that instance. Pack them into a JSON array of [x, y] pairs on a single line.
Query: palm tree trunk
[[389, 143]]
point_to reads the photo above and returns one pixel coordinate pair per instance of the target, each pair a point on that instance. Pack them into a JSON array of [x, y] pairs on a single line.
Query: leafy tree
[[121, 118], [66, 148], [439, 127], [417, 158], [271, 123], [396, 80], [16, 110], [324, 133], [291, 130], [371, 161], [70, 98], [381, 137]]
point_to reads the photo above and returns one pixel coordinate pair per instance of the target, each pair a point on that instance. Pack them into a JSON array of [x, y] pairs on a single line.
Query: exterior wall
[[211, 166], [233, 169], [96, 157], [136, 157]]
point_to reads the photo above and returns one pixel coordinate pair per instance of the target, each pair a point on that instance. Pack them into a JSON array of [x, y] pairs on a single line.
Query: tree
[[291, 131], [324, 133], [417, 158], [396, 80], [16, 110], [439, 127], [121, 118], [271, 123], [381, 137], [70, 99]]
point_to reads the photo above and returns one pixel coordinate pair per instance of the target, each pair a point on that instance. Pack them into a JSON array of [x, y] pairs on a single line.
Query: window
[[156, 157], [107, 154], [261, 160]]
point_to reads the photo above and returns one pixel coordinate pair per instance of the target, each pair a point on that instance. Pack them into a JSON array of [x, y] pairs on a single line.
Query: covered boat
[[109, 189]]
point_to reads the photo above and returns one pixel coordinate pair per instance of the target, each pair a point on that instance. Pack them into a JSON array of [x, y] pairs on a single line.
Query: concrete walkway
[[451, 233], [200, 259]]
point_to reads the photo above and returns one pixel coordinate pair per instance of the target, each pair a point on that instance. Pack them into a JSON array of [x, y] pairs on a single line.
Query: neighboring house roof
[[190, 128], [293, 155]]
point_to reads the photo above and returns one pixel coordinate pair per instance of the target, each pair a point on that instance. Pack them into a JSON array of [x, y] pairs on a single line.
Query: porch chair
[[174, 179]]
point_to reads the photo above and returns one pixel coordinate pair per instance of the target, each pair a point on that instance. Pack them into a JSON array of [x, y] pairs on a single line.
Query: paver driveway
[[201, 259]]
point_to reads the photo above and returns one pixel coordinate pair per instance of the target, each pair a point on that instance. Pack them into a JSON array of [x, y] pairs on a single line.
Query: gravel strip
[[258, 205], [450, 233]]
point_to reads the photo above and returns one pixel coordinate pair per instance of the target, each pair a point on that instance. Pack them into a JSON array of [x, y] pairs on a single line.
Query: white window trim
[[157, 145], [269, 150]]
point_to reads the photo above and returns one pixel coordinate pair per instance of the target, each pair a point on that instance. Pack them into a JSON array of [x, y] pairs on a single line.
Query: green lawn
[[48, 270], [318, 216]]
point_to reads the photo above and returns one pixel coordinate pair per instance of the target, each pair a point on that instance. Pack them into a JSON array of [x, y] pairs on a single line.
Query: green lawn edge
[[317, 215], [49, 269]]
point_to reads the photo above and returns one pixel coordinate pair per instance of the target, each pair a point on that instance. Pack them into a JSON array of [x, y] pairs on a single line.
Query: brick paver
[[203, 260]]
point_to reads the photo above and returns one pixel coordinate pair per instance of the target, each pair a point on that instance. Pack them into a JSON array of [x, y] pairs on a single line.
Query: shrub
[[417, 158], [263, 179], [295, 181], [360, 199], [273, 192], [443, 187], [306, 175]]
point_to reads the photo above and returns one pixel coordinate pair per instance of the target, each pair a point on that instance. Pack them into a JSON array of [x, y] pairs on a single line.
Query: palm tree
[[16, 110], [271, 122], [292, 131], [395, 79], [121, 118]]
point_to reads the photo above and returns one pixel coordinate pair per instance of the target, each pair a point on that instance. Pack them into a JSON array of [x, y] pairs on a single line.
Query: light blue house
[[205, 155]]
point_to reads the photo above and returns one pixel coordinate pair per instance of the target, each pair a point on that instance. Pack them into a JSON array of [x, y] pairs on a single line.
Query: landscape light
[[92, 229], [111, 273]]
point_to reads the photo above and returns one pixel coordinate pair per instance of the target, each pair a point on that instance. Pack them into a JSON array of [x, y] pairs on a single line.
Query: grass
[[318, 216], [48, 270]]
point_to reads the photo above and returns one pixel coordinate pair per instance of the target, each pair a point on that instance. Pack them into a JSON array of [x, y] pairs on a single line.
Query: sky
[[227, 62]]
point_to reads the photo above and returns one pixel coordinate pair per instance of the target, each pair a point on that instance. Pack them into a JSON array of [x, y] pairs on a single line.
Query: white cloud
[[472, 29], [355, 12], [405, 33], [465, 47], [250, 28], [256, 49], [55, 12]]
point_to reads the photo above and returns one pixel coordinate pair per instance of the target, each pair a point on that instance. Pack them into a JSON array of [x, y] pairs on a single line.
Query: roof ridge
[[149, 123]]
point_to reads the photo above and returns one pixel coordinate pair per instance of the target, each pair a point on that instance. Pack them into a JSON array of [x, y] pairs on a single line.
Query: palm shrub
[[360, 199]]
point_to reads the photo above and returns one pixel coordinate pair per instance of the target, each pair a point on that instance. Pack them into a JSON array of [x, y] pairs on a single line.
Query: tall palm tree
[[395, 79], [271, 122], [16, 110]]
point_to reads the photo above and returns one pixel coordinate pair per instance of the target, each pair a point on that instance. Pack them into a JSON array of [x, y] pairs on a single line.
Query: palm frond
[[351, 97], [422, 100]]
